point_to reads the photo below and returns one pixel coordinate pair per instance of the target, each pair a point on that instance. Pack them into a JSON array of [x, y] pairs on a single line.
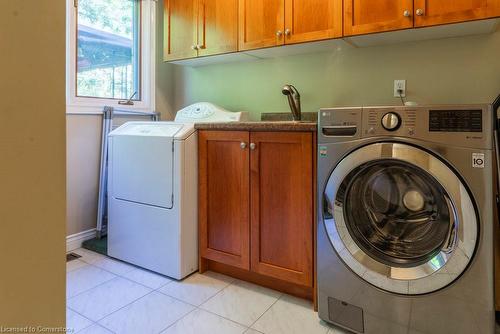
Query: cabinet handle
[[243, 145], [252, 146], [279, 33], [406, 13], [288, 32], [420, 12]]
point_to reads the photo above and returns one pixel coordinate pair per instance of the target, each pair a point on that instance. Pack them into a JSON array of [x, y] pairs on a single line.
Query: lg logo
[[478, 160]]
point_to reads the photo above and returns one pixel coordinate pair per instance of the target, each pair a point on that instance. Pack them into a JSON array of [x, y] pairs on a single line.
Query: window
[[108, 48], [110, 53]]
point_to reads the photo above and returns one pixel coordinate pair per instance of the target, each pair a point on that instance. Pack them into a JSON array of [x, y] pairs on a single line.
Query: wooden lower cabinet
[[224, 231], [281, 194], [256, 207]]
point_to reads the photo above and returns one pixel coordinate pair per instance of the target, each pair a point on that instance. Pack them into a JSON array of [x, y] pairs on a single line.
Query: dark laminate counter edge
[[259, 126]]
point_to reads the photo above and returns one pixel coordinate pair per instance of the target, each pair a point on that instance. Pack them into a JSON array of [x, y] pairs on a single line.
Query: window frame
[[94, 105]]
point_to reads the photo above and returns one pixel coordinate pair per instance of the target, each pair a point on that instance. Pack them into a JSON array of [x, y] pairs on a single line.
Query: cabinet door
[[224, 197], [312, 20], [370, 16], [282, 217], [261, 23], [218, 27], [433, 12], [180, 29]]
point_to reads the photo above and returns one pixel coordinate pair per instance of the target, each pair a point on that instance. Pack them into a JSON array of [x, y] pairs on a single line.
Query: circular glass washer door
[[400, 218]]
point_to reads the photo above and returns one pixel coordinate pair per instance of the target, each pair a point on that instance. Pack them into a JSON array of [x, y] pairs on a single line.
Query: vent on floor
[[72, 256]]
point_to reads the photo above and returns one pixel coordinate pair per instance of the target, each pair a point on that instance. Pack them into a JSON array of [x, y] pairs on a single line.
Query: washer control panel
[[460, 125], [198, 111], [207, 112]]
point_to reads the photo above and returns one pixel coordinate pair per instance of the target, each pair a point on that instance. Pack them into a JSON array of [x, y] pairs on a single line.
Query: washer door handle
[[451, 241]]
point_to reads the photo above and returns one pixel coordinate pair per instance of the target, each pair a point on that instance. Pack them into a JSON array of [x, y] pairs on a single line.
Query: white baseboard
[[75, 241]]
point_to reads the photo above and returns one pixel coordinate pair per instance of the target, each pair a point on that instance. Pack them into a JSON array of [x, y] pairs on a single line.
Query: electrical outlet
[[399, 85]]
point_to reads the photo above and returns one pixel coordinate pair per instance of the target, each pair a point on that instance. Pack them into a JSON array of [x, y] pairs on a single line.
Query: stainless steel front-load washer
[[405, 219]]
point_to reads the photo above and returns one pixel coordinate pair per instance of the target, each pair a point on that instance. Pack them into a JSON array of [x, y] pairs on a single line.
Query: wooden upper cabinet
[[224, 197], [217, 26], [434, 12], [282, 205], [312, 20], [180, 30], [261, 23], [370, 16]]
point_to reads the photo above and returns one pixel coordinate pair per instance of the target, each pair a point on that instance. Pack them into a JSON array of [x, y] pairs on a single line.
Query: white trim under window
[[85, 105]]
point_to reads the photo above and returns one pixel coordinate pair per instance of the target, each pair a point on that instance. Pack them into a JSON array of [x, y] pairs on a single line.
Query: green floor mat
[[97, 245]]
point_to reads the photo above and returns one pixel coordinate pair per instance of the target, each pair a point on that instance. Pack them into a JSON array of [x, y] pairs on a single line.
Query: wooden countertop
[[288, 126]]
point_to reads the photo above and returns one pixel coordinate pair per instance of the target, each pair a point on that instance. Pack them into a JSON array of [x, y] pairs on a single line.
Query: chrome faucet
[[294, 100]]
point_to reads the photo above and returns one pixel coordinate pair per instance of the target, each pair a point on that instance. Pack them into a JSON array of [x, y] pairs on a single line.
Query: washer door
[[400, 218]]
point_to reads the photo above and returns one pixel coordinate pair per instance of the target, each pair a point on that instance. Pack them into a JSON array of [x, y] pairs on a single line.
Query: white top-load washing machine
[[152, 191]]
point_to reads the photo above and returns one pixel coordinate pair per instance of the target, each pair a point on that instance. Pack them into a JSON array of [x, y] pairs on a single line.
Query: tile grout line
[[186, 302], [80, 293], [217, 293], [244, 325], [116, 276], [223, 317], [281, 295], [106, 328], [134, 268], [196, 307], [92, 321], [84, 265], [152, 290], [179, 300], [147, 294], [97, 321], [176, 321]]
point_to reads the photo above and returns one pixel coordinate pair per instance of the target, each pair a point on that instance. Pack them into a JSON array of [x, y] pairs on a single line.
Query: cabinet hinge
[[75, 3]]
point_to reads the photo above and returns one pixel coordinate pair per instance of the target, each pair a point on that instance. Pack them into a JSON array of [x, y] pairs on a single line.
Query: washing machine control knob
[[391, 121]]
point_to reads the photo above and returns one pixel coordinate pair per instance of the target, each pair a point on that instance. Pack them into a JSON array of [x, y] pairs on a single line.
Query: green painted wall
[[455, 70]]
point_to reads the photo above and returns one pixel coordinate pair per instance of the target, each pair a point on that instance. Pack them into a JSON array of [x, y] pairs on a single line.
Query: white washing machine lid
[[205, 112], [355, 234], [174, 130]]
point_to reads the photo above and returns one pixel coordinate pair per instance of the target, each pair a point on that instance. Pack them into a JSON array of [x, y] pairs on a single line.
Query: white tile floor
[[109, 296]]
